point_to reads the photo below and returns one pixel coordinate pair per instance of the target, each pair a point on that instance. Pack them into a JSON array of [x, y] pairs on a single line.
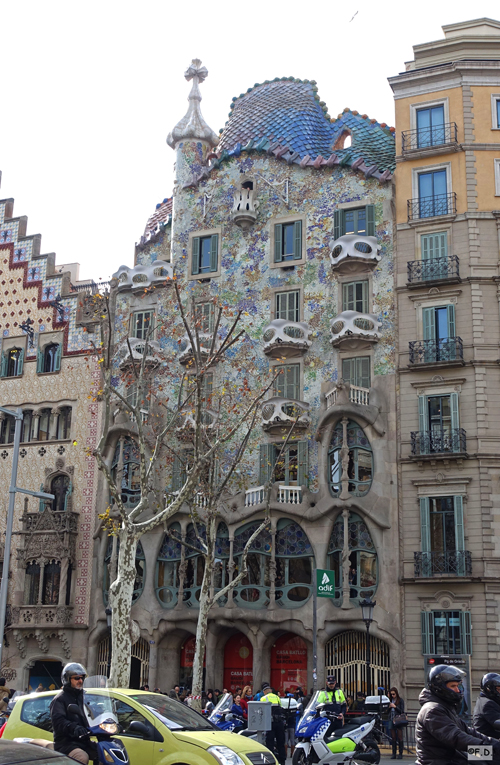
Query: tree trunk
[[120, 601], [205, 606]]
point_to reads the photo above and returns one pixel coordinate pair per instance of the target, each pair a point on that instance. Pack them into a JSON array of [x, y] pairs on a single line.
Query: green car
[[177, 735]]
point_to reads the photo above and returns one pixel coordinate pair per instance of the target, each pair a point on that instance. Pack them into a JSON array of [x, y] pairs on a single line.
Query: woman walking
[[396, 708]]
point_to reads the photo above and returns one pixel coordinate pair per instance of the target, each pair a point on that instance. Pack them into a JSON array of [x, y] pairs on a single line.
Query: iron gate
[[345, 657]]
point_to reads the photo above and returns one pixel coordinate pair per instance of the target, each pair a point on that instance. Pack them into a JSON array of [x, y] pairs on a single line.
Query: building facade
[[287, 216], [447, 261], [46, 371]]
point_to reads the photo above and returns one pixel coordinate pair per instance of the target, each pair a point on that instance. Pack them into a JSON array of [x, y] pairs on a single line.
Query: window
[[51, 581], [433, 193], [355, 297], [126, 715], [288, 305], [292, 467], [287, 382], [357, 220], [442, 535], [439, 423], [356, 371], [7, 428], [495, 111], [195, 567], [446, 632], [205, 254], [288, 241], [360, 465], [127, 459], [12, 363], [36, 711], [140, 569], [32, 583], [434, 249], [179, 469], [205, 317], [430, 126], [362, 561], [62, 488], [44, 424], [132, 398], [28, 424], [49, 358], [294, 558], [142, 324], [497, 176], [439, 333], [64, 423]]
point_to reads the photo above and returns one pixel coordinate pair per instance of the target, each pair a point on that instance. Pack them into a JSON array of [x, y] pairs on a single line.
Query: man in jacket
[[275, 736], [4, 694], [442, 737], [487, 709], [335, 699], [71, 736]]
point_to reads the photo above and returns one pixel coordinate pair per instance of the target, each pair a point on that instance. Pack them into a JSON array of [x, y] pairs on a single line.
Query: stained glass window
[[362, 562]]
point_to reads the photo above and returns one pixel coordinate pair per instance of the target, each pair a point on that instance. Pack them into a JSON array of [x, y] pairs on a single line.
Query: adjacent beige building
[[447, 264]]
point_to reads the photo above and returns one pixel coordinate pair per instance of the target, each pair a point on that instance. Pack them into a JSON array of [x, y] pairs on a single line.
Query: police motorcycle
[[102, 724], [224, 719], [320, 740]]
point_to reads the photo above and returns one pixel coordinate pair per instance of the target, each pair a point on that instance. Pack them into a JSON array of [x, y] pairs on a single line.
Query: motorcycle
[[321, 741], [226, 720]]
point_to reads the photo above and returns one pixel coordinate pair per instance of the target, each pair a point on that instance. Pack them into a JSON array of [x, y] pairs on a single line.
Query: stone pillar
[[321, 663], [63, 583], [36, 425], [153, 662], [54, 423], [272, 570], [40, 583]]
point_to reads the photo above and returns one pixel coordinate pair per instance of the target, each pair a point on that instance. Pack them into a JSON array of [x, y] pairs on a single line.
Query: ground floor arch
[[288, 663], [139, 661], [345, 657], [186, 663], [238, 662]]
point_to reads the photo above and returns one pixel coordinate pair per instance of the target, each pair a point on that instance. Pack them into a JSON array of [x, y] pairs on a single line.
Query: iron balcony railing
[[456, 562], [430, 207], [438, 441], [430, 270], [427, 138], [432, 351]]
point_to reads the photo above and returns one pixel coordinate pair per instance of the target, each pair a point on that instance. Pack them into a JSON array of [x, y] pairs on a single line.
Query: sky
[[90, 91]]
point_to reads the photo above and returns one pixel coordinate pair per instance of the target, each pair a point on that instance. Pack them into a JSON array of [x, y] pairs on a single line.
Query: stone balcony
[[291, 495], [245, 206], [279, 413], [354, 329], [352, 251], [354, 394], [286, 339], [205, 345], [133, 352], [59, 521], [41, 616], [142, 276], [187, 421]]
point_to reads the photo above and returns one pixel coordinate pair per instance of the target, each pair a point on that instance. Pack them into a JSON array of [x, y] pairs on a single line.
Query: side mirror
[[74, 709], [496, 724], [136, 726]]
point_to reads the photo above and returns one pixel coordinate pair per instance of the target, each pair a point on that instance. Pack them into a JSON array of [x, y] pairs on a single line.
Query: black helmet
[[331, 679], [442, 674], [490, 684], [72, 669]]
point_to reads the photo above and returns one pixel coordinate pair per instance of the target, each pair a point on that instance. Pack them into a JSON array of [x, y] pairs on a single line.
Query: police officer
[[442, 737], [487, 709], [335, 699], [275, 738]]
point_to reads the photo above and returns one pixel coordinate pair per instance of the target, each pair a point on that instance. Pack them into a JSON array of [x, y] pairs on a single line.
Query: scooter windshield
[[98, 703], [223, 706], [310, 710]]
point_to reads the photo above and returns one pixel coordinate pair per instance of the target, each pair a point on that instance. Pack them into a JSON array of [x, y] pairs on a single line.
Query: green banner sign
[[325, 583]]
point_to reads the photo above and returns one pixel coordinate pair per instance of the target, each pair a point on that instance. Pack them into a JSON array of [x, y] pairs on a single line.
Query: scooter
[[321, 741]]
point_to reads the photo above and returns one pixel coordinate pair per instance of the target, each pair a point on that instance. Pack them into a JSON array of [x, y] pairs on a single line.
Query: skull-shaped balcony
[[245, 206], [186, 422], [283, 413], [204, 342], [132, 352], [353, 252], [142, 276], [286, 339], [354, 330]]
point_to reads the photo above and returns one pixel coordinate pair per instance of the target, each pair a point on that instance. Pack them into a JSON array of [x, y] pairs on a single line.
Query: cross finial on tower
[[192, 125]]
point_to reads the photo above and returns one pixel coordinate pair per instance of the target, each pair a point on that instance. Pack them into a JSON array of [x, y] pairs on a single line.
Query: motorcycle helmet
[[442, 674], [72, 669], [490, 685], [331, 679]]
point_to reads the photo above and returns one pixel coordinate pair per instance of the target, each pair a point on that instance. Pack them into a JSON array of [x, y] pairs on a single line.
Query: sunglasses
[[78, 677]]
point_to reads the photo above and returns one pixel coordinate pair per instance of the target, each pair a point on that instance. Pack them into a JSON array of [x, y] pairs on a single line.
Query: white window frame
[[414, 108], [433, 228], [497, 176], [494, 123], [429, 169]]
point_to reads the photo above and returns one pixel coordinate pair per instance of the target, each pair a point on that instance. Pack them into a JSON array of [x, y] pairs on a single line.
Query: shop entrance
[[186, 663], [238, 662], [289, 663], [46, 674]]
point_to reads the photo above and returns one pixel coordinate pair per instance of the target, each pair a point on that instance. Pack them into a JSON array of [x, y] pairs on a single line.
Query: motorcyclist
[[335, 699], [71, 736], [442, 738], [487, 709], [276, 736]]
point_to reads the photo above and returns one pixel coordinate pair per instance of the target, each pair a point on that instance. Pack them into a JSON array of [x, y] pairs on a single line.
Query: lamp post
[[108, 613], [367, 607]]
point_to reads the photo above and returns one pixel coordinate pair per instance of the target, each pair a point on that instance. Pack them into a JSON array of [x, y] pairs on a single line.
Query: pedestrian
[[237, 709], [276, 736], [359, 704], [4, 694], [487, 709], [209, 702], [246, 696], [175, 692], [396, 707], [216, 696], [290, 706], [442, 738]]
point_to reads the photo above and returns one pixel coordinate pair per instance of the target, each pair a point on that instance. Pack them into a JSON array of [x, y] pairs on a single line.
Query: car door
[[140, 748]]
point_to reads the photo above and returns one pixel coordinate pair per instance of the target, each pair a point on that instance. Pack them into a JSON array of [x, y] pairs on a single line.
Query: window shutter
[[292, 375], [214, 252], [294, 306], [338, 223], [347, 371], [426, 247], [297, 240], [278, 243], [57, 360], [465, 633], [370, 220], [40, 358], [427, 621], [281, 305], [302, 467], [176, 474], [425, 530], [364, 294], [195, 265], [429, 323], [454, 419], [442, 245], [133, 325], [266, 462], [423, 421], [21, 362], [459, 523], [3, 367], [450, 309], [363, 371]]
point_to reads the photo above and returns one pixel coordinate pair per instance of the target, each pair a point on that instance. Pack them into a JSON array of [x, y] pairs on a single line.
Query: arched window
[[61, 488], [195, 567], [360, 465], [12, 362], [64, 423], [362, 561], [221, 569], [140, 570], [49, 358], [253, 592], [27, 433], [131, 487], [51, 581], [32, 583], [294, 559], [167, 567]]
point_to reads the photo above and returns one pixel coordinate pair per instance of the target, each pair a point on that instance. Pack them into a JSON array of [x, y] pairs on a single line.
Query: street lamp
[[367, 607], [108, 613]]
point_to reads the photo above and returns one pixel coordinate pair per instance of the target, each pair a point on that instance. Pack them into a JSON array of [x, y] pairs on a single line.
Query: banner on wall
[[238, 662], [289, 663]]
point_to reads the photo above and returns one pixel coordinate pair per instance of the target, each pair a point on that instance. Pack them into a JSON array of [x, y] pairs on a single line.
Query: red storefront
[[238, 662], [289, 663]]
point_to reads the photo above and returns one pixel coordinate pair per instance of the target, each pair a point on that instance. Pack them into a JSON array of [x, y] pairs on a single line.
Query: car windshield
[[172, 713]]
